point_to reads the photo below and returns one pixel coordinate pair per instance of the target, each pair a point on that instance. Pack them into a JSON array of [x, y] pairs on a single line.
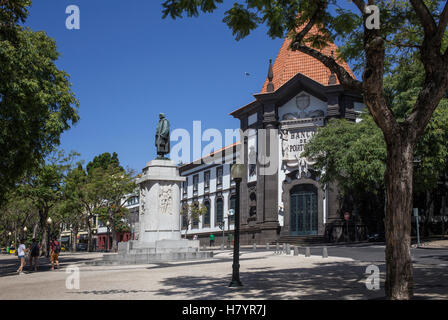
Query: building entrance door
[[303, 215]]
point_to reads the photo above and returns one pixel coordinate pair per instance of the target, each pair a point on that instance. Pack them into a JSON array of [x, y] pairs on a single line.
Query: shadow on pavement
[[330, 281]]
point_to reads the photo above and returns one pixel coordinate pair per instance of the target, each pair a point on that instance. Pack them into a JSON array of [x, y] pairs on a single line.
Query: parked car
[[81, 247], [376, 237], [12, 250], [4, 251]]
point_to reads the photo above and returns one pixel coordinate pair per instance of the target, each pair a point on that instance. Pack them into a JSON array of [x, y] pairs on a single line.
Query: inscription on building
[[296, 141]]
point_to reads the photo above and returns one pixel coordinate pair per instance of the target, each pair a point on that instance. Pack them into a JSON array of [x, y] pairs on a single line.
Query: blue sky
[[127, 64]]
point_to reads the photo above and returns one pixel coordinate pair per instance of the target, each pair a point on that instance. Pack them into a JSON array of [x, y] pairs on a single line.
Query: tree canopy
[[36, 101]]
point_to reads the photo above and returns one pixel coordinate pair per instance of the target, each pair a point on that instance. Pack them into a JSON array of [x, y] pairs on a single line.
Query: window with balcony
[[219, 177], [195, 183], [207, 180], [185, 187]]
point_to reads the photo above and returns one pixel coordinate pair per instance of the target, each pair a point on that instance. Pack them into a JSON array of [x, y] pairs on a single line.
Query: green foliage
[[354, 154], [103, 161], [17, 212], [192, 212], [13, 12], [400, 26], [109, 187], [431, 153], [118, 219], [36, 101], [72, 206]]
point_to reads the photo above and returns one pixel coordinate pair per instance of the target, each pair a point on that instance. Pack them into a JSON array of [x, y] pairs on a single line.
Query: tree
[[407, 28], [191, 213], [18, 213], [354, 154], [44, 188], [104, 160], [73, 205], [113, 186], [36, 101]]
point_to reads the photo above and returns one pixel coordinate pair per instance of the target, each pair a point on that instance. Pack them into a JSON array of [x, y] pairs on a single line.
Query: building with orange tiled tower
[[281, 196]]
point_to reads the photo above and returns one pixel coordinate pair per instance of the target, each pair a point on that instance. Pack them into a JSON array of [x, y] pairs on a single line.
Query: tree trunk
[[43, 215], [35, 229], [398, 178], [114, 240], [74, 238], [89, 235]]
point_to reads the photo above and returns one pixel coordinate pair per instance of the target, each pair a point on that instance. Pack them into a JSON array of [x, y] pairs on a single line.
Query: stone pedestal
[[159, 202], [159, 236]]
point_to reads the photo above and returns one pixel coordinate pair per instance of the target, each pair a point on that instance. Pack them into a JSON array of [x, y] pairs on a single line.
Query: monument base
[[135, 252], [158, 237]]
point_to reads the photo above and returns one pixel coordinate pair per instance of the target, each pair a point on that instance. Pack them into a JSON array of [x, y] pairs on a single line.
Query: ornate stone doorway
[[303, 210]]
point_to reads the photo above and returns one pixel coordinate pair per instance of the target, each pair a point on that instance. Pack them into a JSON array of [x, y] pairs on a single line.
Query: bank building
[[299, 95]]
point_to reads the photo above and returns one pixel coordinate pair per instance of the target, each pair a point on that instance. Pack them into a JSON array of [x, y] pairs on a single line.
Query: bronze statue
[[163, 137]]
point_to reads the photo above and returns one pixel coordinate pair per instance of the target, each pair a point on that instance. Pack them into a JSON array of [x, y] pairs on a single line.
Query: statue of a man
[[163, 137]]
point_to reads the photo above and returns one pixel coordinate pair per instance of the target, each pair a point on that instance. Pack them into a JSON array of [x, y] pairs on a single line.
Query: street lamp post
[[237, 171], [25, 229], [229, 216], [49, 221], [94, 240], [9, 240], [107, 225]]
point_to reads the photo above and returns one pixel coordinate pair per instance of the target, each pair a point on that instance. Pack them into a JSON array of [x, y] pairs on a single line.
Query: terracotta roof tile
[[289, 63]]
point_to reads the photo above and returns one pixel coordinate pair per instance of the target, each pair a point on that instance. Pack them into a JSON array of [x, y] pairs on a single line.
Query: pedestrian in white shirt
[[21, 250]]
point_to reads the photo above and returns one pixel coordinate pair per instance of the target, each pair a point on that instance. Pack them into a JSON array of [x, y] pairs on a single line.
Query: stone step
[[129, 258], [161, 250]]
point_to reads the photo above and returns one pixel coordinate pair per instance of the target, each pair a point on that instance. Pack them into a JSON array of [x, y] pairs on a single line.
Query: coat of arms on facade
[[303, 103], [165, 199]]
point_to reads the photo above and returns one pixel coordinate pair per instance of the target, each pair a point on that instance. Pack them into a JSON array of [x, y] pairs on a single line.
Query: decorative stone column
[[159, 202]]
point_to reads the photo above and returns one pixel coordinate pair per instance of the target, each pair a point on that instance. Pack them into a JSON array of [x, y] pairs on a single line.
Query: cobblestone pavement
[[265, 275]]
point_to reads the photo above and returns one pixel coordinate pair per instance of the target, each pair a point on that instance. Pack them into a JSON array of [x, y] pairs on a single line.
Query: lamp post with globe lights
[[237, 171], [9, 240], [107, 225], [49, 221]]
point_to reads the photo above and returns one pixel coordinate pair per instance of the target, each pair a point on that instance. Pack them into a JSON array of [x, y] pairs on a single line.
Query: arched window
[[195, 218], [232, 205], [184, 215], [206, 217], [219, 210]]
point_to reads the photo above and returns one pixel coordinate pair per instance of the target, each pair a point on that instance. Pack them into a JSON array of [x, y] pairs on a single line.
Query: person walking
[[212, 240], [55, 249], [21, 250], [34, 254]]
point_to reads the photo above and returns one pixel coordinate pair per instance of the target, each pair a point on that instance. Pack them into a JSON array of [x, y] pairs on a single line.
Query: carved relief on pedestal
[[143, 192], [166, 199]]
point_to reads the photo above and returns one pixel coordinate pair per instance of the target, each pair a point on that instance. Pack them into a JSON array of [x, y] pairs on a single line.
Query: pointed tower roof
[[289, 63]]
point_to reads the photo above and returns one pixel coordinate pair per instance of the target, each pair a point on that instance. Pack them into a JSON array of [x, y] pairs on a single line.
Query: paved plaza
[[265, 275]]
